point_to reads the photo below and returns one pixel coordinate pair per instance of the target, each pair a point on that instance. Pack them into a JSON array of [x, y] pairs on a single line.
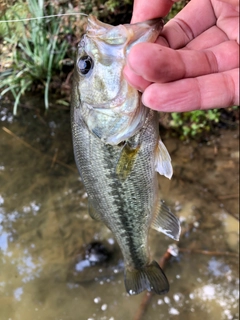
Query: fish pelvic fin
[[150, 277], [163, 161], [166, 222]]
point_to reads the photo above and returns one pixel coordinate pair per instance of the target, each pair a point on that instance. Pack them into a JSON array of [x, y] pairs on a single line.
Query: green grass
[[32, 52], [36, 55]]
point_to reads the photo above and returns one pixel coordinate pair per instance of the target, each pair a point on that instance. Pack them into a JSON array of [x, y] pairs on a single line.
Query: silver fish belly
[[118, 152]]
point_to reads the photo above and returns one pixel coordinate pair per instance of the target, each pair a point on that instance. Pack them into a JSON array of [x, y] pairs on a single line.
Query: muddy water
[[44, 230]]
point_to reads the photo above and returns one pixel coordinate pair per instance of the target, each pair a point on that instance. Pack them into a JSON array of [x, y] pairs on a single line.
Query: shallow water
[[45, 227]]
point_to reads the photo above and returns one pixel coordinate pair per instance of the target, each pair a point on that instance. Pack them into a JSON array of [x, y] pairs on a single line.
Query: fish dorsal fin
[[163, 160], [166, 222], [126, 161], [92, 211]]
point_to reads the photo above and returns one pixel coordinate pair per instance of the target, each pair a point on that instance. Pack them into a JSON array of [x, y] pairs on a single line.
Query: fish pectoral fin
[[166, 222], [151, 278], [163, 160], [126, 161], [92, 211]]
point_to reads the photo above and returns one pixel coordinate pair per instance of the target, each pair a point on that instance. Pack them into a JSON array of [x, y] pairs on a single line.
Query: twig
[[148, 295], [66, 83], [206, 252], [229, 196], [54, 159], [37, 151], [162, 262]]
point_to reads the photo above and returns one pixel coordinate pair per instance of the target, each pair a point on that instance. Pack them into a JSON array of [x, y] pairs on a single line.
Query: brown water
[[44, 228]]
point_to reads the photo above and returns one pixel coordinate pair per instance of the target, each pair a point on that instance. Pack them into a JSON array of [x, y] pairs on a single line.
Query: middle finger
[[156, 63]]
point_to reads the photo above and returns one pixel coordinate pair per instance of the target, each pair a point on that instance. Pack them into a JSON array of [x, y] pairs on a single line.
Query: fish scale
[[100, 174], [118, 150]]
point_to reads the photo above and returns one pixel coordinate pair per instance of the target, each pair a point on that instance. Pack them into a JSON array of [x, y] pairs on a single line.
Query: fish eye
[[85, 64]]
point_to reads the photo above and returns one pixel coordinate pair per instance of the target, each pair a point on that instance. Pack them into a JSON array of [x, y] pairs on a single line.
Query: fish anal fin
[[151, 278], [163, 160], [126, 161], [92, 211], [166, 222]]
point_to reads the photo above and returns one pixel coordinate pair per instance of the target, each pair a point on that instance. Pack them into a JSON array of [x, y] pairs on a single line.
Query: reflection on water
[[45, 230]]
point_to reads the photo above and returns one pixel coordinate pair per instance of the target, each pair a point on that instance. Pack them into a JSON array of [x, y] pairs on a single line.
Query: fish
[[118, 150]]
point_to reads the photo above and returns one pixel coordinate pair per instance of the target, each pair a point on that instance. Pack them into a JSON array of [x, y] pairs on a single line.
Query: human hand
[[194, 63]]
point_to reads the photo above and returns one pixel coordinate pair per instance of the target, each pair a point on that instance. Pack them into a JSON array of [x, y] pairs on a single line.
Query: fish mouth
[[147, 31]]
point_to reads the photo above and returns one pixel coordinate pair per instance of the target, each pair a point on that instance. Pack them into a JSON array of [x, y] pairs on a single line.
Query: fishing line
[[45, 17]]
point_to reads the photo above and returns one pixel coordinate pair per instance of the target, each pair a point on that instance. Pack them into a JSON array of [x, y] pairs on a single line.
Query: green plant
[[190, 124], [36, 55], [112, 5], [177, 6]]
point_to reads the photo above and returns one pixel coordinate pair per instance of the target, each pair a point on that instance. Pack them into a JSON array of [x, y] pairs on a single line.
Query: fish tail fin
[[151, 278]]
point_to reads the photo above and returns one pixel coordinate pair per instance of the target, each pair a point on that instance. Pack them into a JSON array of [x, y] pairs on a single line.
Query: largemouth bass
[[118, 150]]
